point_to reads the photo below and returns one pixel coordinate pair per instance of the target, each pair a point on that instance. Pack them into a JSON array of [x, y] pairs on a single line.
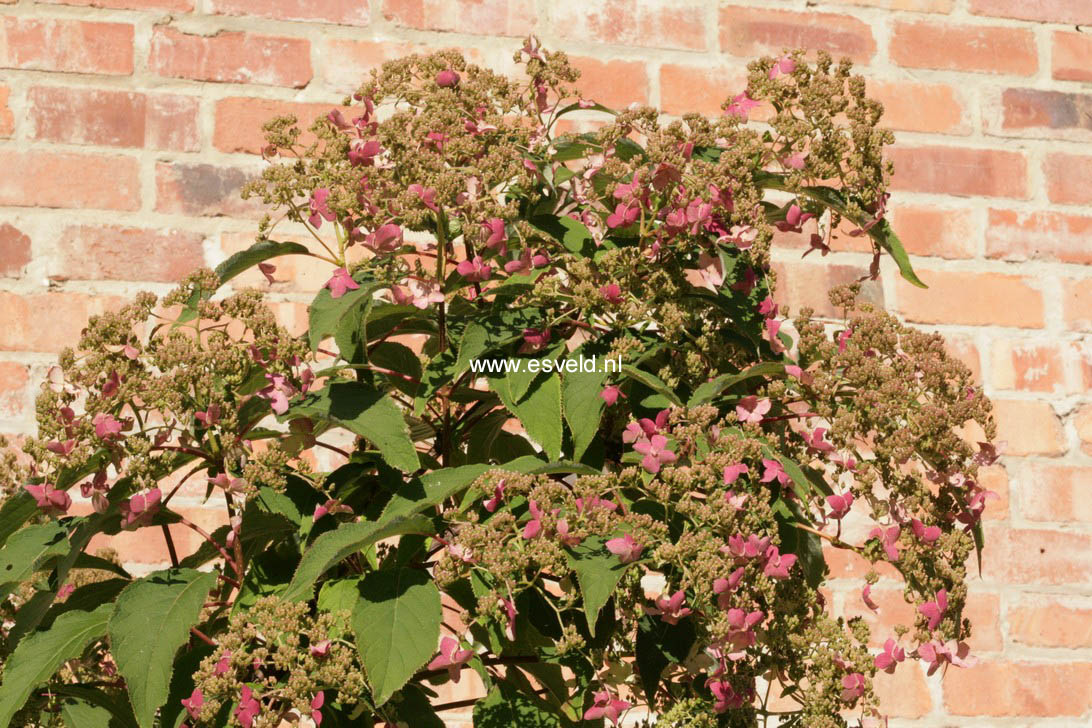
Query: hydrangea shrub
[[648, 539]]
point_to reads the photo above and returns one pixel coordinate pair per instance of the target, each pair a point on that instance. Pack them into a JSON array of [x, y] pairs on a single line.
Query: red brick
[[294, 272], [946, 46], [678, 25], [202, 189], [1056, 493], [701, 89], [48, 322], [917, 6], [345, 64], [1075, 12], [925, 107], [1029, 427], [1050, 623], [47, 179], [1019, 689], [995, 479], [113, 118], [806, 283], [964, 349], [180, 5], [1035, 109], [1067, 178], [342, 12], [1077, 302], [127, 254], [66, 45], [148, 546], [1082, 423], [935, 232], [7, 118], [14, 251], [14, 399], [616, 84], [231, 57], [755, 31], [972, 299], [1071, 56], [1052, 236], [960, 172], [1028, 366], [1036, 556], [476, 17], [239, 122], [905, 694]]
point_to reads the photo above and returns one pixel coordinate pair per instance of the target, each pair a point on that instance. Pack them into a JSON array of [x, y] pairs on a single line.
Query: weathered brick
[[1027, 366], [973, 299], [1030, 427], [294, 272], [14, 251], [996, 480], [1019, 689], [1071, 56], [917, 6], [1054, 236], [806, 284], [1048, 622], [1036, 556], [1041, 110], [202, 189], [1082, 423], [905, 694], [70, 46], [342, 12], [1075, 12], [179, 5], [1067, 178], [700, 89], [960, 172], [489, 17], [935, 232], [127, 254], [239, 121], [678, 24], [58, 179], [113, 118], [757, 31], [1077, 303], [344, 64], [14, 390], [7, 117], [231, 57], [48, 322], [914, 106], [1050, 492], [947, 46], [616, 84]]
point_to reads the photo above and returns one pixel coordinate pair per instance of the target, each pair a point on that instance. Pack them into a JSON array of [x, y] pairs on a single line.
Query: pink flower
[[536, 338], [778, 564], [625, 548], [794, 219], [65, 591], [751, 409], [107, 427], [450, 658], [726, 697], [606, 706], [496, 236], [50, 500], [853, 686], [417, 294], [595, 502], [277, 392], [447, 78], [320, 649], [533, 529], [866, 597], [773, 326], [773, 470], [611, 293], [385, 239], [843, 339], [526, 262], [891, 656], [224, 664], [427, 196], [498, 493], [320, 209], [193, 703], [934, 611], [363, 154], [740, 106], [783, 65], [623, 216], [795, 160], [610, 394], [474, 271], [742, 236], [248, 709], [655, 453], [330, 506], [341, 283], [890, 539], [747, 283], [564, 537], [925, 534], [840, 504], [735, 500], [61, 448], [671, 610], [939, 653], [645, 427], [316, 708], [768, 308], [138, 510], [709, 273], [110, 386], [209, 417], [732, 472], [722, 587], [509, 609], [816, 442], [228, 483], [752, 548]]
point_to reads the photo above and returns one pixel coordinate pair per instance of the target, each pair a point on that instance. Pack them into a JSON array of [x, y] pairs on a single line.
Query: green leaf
[[326, 311], [16, 511], [708, 391], [658, 645], [431, 489], [78, 714], [345, 540], [539, 410], [41, 654], [338, 595], [119, 712], [259, 252], [883, 234], [583, 407], [397, 627], [573, 234], [597, 572], [28, 550], [506, 707], [152, 619], [806, 545], [652, 382], [364, 411]]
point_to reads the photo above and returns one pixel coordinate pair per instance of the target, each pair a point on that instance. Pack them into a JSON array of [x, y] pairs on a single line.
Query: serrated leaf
[[347, 539], [583, 407], [41, 654], [506, 707], [397, 626], [15, 511], [326, 312], [365, 411], [597, 572], [151, 620], [431, 489], [119, 711], [78, 714], [658, 645], [651, 381], [259, 252], [708, 391], [573, 234], [28, 550], [539, 411]]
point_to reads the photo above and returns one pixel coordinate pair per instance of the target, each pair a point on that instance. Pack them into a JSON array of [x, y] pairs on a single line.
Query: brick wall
[[126, 127]]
